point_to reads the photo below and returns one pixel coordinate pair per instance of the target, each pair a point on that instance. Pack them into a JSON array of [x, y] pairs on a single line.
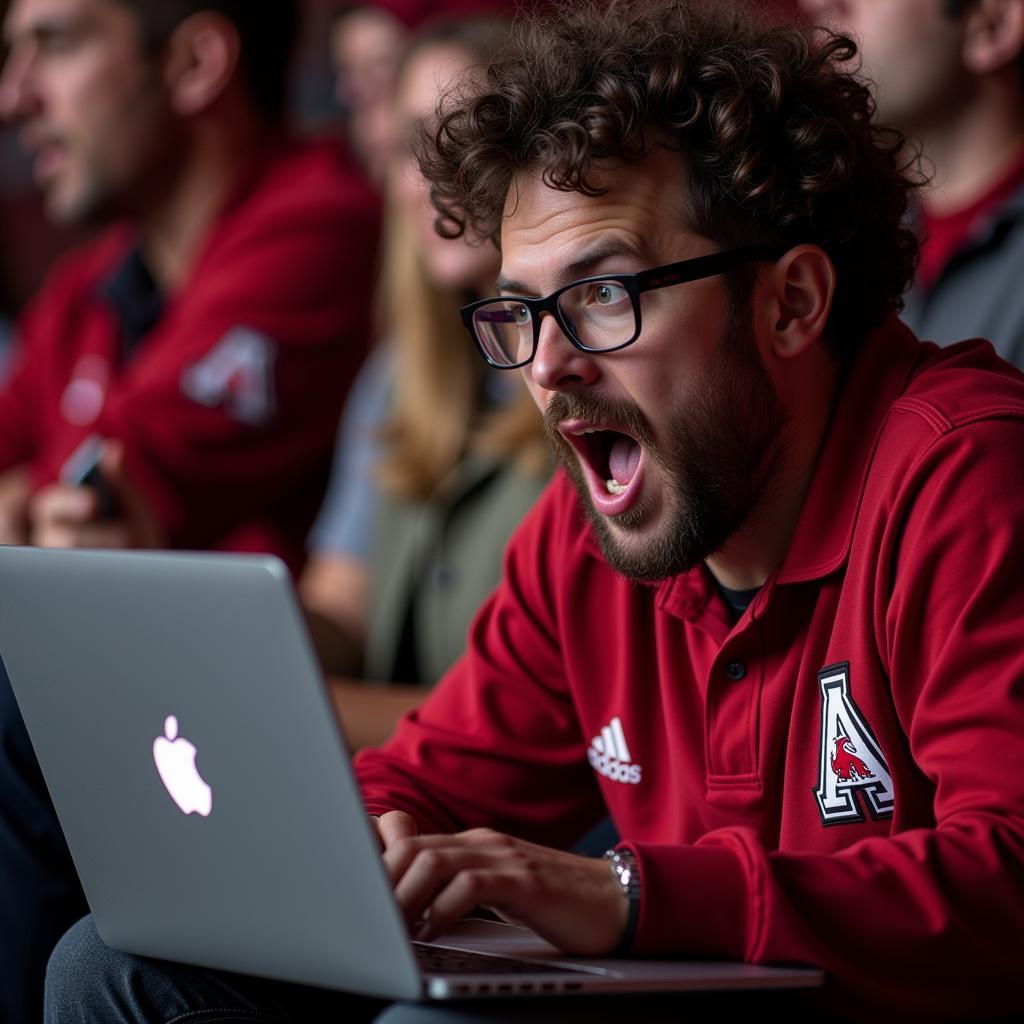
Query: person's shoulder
[[960, 384], [75, 280], [309, 182], [301, 232], [301, 221], [83, 268], [958, 425], [941, 411]]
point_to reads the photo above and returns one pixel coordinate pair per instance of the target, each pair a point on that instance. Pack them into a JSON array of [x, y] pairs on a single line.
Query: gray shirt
[[980, 292], [344, 525]]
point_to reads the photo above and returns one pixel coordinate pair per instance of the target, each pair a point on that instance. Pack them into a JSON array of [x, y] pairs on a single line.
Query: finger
[[393, 826], [15, 491], [403, 849], [472, 887], [399, 857], [61, 504], [486, 837], [134, 506], [80, 535], [431, 871]]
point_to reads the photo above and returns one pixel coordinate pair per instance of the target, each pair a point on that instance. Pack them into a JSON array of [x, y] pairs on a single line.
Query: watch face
[[623, 863]]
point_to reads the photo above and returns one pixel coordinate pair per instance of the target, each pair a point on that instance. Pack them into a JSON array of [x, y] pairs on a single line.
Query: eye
[[521, 314], [607, 293]]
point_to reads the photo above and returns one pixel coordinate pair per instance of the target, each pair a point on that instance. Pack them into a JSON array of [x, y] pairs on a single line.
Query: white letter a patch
[[850, 757], [237, 374]]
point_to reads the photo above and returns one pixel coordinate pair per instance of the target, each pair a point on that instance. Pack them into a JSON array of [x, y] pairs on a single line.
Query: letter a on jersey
[[850, 758], [237, 374]]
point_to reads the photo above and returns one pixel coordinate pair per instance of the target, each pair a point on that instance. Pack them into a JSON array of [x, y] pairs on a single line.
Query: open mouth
[[612, 461], [46, 163]]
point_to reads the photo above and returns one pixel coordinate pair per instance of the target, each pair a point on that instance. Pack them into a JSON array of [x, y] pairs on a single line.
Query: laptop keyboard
[[440, 960]]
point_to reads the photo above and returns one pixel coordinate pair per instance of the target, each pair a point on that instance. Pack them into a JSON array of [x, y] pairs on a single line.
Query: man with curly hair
[[769, 617]]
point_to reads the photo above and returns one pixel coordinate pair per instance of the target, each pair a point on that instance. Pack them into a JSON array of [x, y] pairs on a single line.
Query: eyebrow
[[47, 27], [580, 267]]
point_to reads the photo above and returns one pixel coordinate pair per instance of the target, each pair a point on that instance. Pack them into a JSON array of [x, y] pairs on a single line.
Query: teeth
[[614, 487]]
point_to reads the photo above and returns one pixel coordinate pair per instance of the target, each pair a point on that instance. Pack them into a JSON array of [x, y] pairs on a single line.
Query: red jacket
[[838, 778], [228, 406]]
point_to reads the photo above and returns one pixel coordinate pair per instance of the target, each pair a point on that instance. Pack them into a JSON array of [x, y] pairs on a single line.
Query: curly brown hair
[[777, 135]]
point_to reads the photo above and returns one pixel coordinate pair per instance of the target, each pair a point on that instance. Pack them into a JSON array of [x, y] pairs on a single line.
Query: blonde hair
[[438, 377], [436, 416]]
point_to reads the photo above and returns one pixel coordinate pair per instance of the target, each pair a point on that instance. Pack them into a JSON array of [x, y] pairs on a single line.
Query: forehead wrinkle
[[568, 243], [643, 211], [582, 266]]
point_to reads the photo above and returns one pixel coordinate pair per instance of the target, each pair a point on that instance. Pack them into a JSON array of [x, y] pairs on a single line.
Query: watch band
[[624, 868]]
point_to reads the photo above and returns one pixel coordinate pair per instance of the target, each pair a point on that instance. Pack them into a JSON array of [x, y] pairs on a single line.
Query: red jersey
[[835, 779], [227, 408]]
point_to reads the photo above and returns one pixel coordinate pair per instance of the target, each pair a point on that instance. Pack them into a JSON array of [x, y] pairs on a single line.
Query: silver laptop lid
[[129, 668]]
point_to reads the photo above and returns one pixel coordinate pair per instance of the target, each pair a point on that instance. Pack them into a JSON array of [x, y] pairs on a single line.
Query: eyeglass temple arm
[[704, 266]]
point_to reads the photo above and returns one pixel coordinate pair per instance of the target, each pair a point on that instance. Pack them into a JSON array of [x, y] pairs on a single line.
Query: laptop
[[186, 736]]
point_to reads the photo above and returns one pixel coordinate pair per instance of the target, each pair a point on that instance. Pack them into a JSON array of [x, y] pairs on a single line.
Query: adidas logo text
[[609, 755]]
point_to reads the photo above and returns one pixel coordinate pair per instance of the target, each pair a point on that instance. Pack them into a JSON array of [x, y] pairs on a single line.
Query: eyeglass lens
[[600, 314]]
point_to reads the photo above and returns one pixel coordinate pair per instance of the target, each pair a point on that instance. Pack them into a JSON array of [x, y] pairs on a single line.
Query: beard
[[722, 449]]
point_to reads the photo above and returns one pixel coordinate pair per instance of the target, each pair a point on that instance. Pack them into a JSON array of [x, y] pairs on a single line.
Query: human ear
[[202, 56], [797, 291], [993, 35]]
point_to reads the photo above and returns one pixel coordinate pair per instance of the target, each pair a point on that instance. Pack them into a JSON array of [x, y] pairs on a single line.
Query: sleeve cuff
[[693, 901]]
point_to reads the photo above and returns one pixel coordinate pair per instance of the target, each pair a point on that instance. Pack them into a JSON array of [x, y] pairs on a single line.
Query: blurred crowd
[[232, 276], [403, 548], [253, 343]]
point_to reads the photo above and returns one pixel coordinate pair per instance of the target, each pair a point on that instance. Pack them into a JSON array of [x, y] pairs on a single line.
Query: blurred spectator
[[212, 333], [365, 44], [425, 492], [29, 241], [202, 345], [950, 73]]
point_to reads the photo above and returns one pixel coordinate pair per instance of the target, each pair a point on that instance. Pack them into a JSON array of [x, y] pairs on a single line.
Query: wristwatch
[[624, 868]]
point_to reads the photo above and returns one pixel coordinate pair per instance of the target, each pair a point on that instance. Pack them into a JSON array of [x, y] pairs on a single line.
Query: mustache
[[33, 137], [617, 413]]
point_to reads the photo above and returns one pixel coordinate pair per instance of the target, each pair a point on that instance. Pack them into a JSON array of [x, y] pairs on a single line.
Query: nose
[[557, 364], [18, 98]]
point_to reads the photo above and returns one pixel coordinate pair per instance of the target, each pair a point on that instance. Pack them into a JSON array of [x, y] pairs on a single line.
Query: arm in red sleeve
[[497, 742], [930, 920], [229, 412]]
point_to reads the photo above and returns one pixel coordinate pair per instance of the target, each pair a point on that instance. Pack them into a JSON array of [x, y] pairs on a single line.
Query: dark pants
[[87, 983], [40, 895]]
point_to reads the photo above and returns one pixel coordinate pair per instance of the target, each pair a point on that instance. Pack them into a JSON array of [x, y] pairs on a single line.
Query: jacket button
[[735, 671]]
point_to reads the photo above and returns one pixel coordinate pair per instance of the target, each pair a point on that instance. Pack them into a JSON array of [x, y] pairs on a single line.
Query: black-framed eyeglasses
[[597, 314]]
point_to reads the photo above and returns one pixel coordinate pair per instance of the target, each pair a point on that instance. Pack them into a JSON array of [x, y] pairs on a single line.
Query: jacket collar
[[824, 531]]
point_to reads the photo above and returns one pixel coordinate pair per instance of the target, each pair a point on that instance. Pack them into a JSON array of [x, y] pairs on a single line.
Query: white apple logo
[[175, 760]]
